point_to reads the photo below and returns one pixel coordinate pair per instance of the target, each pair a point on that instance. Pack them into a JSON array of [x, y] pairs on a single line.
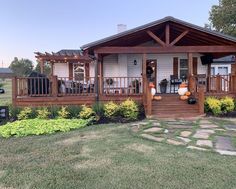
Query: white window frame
[[82, 67], [185, 59]]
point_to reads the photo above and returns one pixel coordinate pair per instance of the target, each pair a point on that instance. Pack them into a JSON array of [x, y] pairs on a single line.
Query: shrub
[[227, 104], [111, 110], [26, 113], [87, 113], [53, 111], [40, 126], [129, 109], [74, 111], [213, 105], [14, 111], [43, 113], [98, 108], [235, 104], [63, 112]]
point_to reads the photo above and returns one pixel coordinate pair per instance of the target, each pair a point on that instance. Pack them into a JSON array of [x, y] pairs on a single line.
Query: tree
[[47, 68], [22, 67], [223, 17]]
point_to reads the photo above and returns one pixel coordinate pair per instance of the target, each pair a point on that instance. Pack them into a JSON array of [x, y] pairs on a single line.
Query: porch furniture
[[174, 83]]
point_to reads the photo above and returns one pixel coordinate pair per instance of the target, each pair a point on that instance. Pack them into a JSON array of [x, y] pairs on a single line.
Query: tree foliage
[[223, 17], [47, 68], [22, 67]]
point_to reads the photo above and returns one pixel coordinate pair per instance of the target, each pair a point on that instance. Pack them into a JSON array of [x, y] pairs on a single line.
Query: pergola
[[63, 56]]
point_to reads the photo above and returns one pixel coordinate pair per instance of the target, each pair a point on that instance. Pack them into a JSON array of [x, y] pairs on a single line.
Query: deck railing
[[32, 86], [71, 87], [216, 83], [122, 85]]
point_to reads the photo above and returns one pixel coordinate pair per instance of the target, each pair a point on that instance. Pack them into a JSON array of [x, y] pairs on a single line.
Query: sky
[[27, 26]]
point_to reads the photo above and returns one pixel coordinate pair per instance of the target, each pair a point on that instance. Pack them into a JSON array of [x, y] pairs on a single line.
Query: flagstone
[[174, 142], [207, 143], [208, 126], [224, 143], [185, 133], [153, 138], [196, 148], [152, 130], [186, 140]]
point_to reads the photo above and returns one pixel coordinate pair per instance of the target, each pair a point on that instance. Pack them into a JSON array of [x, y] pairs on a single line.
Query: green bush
[[213, 105], [43, 113], [129, 109], [98, 108], [235, 104], [63, 112], [111, 110], [40, 126], [227, 104], [87, 113], [26, 113], [74, 111], [53, 111], [14, 111]]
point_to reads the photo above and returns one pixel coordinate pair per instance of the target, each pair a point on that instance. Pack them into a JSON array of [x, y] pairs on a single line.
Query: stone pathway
[[202, 134]]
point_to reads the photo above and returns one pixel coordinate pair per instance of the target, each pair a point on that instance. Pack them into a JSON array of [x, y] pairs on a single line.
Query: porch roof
[[196, 36], [64, 55]]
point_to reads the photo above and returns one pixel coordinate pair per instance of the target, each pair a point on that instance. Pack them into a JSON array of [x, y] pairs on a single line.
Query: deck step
[[170, 106]]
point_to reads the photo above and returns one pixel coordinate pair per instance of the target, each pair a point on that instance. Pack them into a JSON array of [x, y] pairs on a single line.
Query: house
[[6, 73], [222, 65], [122, 66]]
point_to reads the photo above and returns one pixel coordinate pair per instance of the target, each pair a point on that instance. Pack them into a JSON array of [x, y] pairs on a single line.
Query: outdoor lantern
[[4, 112], [135, 62]]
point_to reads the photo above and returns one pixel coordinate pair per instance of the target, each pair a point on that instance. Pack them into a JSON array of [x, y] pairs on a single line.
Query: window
[[213, 71], [223, 70], [183, 68], [78, 71]]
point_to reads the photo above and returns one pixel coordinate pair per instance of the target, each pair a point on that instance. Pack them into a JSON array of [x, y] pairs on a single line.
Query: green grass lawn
[[6, 98], [109, 156]]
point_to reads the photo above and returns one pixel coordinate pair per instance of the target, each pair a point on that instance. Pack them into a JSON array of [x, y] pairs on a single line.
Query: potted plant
[[163, 85]]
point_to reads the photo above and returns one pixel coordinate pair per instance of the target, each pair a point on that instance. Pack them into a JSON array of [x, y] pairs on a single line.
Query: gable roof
[[6, 71], [155, 23]]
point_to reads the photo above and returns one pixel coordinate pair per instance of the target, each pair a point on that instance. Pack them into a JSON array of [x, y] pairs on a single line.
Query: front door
[[152, 71]]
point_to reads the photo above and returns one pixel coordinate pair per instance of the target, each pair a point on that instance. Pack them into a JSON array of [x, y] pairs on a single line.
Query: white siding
[[110, 66], [92, 69], [61, 69], [134, 70]]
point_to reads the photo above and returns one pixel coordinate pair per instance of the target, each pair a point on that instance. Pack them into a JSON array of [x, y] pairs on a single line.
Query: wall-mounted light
[[135, 62]]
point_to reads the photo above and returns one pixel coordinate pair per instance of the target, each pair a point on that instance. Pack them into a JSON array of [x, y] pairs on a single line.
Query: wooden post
[[100, 75], [201, 99], [96, 80], [41, 66], [144, 75], [52, 69], [149, 101], [208, 77], [14, 90], [54, 81], [190, 72], [218, 83], [167, 34]]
